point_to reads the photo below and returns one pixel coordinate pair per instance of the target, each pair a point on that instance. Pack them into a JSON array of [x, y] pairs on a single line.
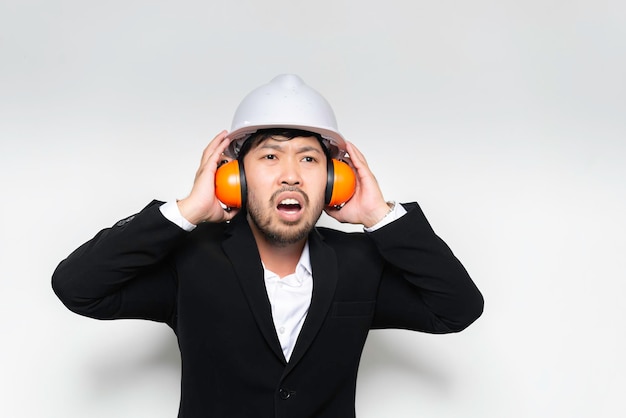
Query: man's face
[[286, 181]]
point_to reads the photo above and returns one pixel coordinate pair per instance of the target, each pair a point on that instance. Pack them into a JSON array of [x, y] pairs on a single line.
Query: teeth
[[289, 202]]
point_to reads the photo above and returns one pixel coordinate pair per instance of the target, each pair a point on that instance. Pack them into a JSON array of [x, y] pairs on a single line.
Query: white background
[[505, 119]]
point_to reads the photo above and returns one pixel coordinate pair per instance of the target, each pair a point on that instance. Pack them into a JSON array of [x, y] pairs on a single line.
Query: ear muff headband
[[231, 188]]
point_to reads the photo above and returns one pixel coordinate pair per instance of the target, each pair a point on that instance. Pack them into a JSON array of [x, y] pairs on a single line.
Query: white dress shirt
[[290, 296]]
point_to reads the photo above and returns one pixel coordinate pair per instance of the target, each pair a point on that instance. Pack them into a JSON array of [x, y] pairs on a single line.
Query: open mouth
[[289, 205]]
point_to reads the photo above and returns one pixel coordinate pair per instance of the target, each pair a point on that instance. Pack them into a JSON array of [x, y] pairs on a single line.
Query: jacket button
[[284, 393]]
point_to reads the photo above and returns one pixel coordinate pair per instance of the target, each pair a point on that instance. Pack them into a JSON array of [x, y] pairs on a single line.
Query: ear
[[341, 183], [230, 184]]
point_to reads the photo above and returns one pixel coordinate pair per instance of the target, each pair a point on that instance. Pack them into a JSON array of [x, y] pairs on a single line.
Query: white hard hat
[[286, 102]]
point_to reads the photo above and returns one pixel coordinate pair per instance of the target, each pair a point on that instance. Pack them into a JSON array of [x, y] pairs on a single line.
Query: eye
[[269, 157], [309, 159]]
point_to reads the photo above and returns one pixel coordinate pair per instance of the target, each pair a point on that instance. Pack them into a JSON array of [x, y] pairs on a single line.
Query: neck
[[281, 259]]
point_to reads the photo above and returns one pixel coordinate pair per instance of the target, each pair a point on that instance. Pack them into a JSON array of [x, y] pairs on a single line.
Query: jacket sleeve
[[123, 272], [424, 286]]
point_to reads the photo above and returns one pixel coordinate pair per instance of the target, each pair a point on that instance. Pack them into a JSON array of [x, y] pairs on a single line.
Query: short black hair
[[264, 134]]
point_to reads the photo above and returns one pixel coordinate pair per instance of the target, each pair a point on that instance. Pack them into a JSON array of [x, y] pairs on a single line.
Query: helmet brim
[[336, 143]]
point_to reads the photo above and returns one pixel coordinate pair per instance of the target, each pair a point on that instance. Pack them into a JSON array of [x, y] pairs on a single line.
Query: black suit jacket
[[208, 286]]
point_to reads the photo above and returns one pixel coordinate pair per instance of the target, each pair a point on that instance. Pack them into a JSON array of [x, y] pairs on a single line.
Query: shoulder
[[346, 242], [206, 233], [332, 235]]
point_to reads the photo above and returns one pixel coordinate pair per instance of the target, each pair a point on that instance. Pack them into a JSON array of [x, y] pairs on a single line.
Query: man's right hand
[[201, 205]]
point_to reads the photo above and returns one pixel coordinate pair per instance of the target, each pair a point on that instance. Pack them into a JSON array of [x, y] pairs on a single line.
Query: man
[[271, 313]]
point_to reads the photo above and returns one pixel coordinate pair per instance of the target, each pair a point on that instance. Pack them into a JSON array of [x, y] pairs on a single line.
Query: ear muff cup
[[230, 184], [231, 188], [340, 183]]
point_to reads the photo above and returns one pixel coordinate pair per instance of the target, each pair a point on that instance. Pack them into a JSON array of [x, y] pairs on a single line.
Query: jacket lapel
[[241, 249], [324, 266]]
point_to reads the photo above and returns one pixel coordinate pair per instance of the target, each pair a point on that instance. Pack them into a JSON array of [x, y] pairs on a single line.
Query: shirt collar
[[303, 268], [304, 264]]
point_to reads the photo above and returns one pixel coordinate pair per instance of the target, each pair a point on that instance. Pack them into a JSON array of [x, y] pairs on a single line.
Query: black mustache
[[296, 189]]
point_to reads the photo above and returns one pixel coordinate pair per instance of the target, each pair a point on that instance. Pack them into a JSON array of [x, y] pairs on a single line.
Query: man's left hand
[[367, 206]]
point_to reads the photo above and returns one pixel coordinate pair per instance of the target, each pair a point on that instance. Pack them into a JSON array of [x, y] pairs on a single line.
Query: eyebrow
[[278, 147]]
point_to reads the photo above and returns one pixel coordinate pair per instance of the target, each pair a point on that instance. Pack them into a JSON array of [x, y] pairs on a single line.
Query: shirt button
[[281, 330]]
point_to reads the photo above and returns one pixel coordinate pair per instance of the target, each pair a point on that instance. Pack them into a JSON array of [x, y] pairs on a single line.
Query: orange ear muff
[[230, 184], [341, 183]]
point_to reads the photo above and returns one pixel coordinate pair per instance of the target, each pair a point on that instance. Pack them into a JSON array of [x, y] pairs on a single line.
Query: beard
[[277, 231]]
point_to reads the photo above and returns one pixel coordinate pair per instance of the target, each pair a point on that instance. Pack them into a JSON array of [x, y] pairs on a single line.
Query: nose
[[290, 174]]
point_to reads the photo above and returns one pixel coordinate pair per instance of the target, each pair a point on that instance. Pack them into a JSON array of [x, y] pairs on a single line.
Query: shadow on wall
[[126, 364], [404, 357], [390, 357]]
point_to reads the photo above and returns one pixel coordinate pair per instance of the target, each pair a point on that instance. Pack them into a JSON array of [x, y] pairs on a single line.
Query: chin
[[288, 234]]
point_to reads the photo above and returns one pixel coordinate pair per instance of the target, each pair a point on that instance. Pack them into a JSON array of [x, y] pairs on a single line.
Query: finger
[[213, 145], [360, 163], [356, 155], [223, 143], [217, 145]]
